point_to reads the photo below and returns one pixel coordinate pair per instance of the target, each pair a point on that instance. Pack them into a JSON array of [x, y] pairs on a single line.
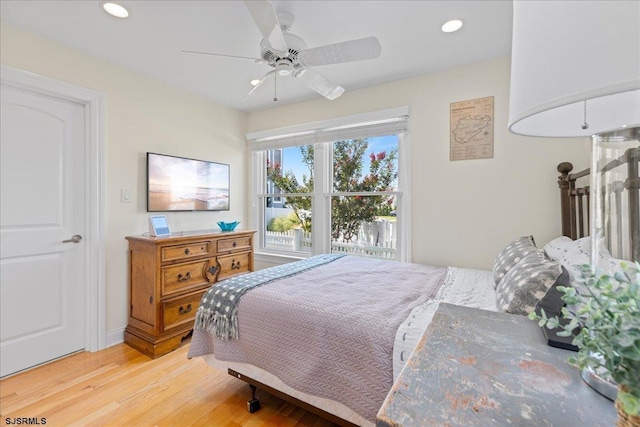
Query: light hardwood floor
[[121, 387]]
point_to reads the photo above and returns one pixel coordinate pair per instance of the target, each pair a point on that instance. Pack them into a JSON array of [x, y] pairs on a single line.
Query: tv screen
[[180, 184]]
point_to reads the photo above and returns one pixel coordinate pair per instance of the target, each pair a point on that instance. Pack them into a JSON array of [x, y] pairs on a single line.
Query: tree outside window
[[354, 171]]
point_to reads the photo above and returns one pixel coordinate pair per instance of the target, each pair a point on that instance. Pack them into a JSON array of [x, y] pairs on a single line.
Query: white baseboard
[[114, 337]]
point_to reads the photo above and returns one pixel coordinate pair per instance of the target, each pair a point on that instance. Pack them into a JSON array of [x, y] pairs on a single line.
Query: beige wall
[[140, 115], [464, 212]]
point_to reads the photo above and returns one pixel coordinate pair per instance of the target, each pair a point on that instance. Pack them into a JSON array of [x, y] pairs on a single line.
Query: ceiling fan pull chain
[[585, 125], [275, 87]]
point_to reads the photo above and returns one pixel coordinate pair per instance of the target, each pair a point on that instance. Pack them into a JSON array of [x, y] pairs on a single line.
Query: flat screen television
[[181, 184]]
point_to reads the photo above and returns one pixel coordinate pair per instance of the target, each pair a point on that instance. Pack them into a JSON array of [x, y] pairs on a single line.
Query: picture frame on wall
[[471, 129]]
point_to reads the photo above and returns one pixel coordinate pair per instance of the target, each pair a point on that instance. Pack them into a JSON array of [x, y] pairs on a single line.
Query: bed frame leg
[[253, 405]]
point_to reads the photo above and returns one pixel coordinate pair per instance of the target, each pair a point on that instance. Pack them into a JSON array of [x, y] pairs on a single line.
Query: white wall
[[140, 115], [464, 212]]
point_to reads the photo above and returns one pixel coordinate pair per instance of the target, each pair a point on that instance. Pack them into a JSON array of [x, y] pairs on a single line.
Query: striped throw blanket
[[218, 311]]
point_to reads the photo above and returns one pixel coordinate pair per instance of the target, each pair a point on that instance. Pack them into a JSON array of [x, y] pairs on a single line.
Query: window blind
[[379, 123]]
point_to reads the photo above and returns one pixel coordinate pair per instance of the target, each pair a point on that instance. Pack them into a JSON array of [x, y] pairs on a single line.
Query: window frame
[[322, 135]]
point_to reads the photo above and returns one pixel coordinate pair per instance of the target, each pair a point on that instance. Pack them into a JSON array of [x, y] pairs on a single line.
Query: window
[[339, 186]]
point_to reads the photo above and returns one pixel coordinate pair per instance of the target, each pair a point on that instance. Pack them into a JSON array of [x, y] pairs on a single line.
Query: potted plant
[[608, 314]]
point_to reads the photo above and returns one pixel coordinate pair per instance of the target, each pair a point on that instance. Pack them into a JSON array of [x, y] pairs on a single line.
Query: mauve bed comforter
[[329, 331]]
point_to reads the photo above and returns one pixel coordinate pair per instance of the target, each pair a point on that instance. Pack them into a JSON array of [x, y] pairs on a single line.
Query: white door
[[42, 208]]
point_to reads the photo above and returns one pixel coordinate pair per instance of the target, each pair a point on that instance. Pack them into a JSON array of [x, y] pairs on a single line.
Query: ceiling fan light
[[114, 9], [452, 26], [284, 68]]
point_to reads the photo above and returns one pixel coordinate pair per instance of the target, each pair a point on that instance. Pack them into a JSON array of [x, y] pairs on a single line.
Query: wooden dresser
[[168, 276]]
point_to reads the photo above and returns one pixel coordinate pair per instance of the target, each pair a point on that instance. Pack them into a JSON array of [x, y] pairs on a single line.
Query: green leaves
[[608, 310], [288, 183], [347, 213]]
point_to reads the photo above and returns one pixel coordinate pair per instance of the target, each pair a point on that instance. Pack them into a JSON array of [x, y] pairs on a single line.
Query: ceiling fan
[[288, 55]]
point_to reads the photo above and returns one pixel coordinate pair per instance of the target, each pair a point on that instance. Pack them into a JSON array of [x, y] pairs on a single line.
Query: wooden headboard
[[575, 205]]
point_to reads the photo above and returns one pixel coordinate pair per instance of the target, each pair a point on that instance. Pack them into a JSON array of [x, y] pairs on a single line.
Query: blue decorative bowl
[[228, 226]]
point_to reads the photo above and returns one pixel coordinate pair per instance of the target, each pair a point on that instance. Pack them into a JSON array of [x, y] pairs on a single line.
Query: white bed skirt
[[265, 377]]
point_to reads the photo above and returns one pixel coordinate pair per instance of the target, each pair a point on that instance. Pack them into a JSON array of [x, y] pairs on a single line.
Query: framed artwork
[[471, 129]]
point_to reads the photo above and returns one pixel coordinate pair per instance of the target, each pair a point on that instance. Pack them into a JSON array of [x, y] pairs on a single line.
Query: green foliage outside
[[347, 213], [385, 210], [288, 183], [609, 316], [283, 223]]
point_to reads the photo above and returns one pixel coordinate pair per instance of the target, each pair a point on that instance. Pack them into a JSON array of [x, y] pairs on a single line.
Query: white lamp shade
[[566, 52]]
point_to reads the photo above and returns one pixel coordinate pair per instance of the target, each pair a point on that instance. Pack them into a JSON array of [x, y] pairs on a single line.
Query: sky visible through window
[[292, 159]]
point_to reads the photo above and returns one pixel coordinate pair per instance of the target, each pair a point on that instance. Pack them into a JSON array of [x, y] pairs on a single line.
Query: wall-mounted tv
[[181, 184]]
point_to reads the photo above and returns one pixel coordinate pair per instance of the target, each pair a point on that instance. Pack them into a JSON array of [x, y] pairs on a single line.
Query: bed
[[337, 342], [318, 334]]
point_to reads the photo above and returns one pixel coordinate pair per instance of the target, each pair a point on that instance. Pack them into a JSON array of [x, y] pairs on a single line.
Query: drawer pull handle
[[187, 251], [234, 244], [235, 265], [184, 278], [185, 310], [213, 270]]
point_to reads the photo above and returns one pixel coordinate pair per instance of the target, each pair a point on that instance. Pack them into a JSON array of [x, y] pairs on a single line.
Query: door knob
[[74, 239]]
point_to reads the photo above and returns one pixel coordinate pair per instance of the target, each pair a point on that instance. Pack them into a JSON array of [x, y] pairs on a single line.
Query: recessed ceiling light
[[255, 82], [115, 9], [452, 26]]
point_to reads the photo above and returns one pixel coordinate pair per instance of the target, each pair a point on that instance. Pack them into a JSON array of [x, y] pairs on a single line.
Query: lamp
[[575, 72], [567, 52]]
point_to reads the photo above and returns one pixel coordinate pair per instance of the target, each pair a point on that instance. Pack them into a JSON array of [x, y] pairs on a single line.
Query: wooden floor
[[121, 387]]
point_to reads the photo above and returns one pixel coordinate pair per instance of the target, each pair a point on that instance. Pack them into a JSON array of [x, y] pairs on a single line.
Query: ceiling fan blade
[[262, 80], [319, 83], [353, 50], [267, 22], [222, 54]]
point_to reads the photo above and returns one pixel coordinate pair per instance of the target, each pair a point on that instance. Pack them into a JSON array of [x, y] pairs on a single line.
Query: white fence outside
[[375, 239], [292, 240], [387, 252]]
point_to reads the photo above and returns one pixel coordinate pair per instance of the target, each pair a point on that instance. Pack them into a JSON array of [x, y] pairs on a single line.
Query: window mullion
[[322, 171], [263, 195], [364, 193], [403, 242], [259, 160]]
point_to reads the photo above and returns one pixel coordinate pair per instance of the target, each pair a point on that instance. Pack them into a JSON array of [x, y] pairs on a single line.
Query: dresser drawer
[[185, 252], [233, 264], [227, 245], [186, 275], [178, 311]]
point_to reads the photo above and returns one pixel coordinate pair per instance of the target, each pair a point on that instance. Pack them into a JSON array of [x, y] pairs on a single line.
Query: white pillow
[[571, 253]]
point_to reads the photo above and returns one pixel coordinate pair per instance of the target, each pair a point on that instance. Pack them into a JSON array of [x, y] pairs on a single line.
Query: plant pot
[[599, 382], [624, 419]]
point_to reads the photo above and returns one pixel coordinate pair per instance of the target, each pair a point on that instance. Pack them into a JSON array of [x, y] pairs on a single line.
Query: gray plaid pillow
[[526, 284], [511, 255]]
